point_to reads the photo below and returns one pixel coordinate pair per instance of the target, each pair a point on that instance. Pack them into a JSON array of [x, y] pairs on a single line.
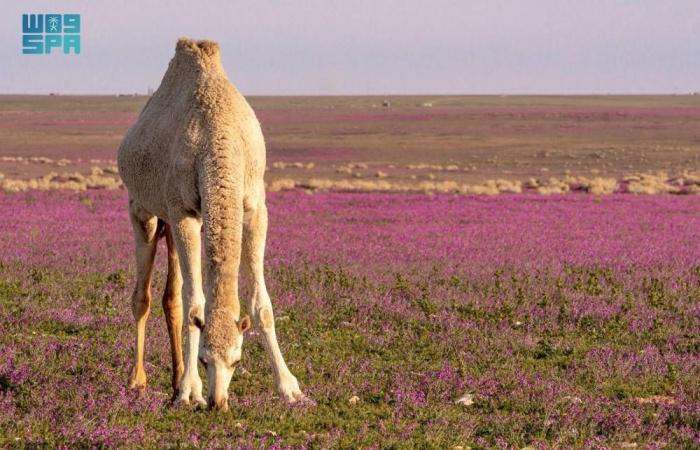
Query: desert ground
[[462, 144], [447, 272]]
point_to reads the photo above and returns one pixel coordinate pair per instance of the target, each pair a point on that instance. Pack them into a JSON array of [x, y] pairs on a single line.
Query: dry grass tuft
[[552, 186], [437, 167], [514, 187], [650, 184], [295, 165], [73, 181], [601, 186], [282, 184]]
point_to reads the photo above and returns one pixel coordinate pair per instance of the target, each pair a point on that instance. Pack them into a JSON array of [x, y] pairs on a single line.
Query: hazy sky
[[372, 47]]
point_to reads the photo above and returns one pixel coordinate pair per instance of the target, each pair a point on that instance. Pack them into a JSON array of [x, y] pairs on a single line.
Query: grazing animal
[[194, 161]]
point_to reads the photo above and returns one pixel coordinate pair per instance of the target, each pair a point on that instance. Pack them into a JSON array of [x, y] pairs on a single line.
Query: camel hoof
[[175, 396], [290, 391], [301, 400], [200, 403], [185, 402], [296, 397], [137, 386], [138, 380]]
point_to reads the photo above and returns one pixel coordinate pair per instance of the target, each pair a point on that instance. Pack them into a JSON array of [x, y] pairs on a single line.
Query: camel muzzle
[[220, 404]]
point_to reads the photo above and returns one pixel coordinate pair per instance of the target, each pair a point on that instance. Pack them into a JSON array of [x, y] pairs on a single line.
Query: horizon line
[[591, 94]]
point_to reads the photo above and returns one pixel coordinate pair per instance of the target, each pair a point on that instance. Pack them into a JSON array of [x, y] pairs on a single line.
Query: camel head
[[201, 53], [220, 352]]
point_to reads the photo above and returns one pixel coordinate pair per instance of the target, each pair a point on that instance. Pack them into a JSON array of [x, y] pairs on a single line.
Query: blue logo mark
[[41, 33]]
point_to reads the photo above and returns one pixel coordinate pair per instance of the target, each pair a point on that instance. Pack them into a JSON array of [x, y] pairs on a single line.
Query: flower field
[[562, 321]]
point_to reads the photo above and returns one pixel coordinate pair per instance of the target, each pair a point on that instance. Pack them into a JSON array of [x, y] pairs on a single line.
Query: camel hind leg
[[146, 229], [172, 307]]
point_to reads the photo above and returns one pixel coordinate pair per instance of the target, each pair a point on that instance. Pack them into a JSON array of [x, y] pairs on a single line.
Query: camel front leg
[[187, 238], [146, 231], [260, 306]]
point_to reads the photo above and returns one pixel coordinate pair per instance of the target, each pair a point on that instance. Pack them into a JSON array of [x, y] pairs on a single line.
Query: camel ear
[[244, 324], [183, 44]]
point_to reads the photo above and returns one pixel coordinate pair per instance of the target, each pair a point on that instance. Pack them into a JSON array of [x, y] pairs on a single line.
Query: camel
[[193, 165]]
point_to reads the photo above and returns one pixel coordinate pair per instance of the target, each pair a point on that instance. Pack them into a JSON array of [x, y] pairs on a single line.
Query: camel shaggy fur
[[194, 161]]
